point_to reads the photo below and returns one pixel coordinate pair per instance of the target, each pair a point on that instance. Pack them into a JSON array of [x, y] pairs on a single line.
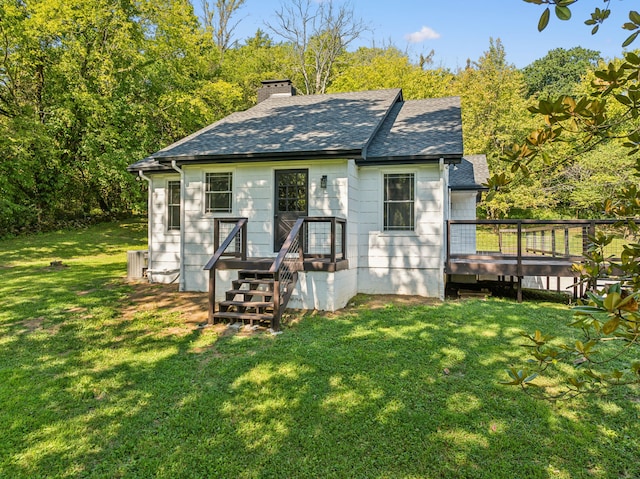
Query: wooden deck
[[519, 248], [505, 265]]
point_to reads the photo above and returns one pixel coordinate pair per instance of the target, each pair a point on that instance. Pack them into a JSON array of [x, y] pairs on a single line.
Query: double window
[[218, 192], [173, 205], [399, 200]]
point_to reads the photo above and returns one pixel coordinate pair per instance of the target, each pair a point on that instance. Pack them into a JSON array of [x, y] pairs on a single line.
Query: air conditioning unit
[[137, 264]]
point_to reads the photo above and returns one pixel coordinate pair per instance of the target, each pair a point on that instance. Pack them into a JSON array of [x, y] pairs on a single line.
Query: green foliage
[[559, 71], [257, 59], [374, 69], [493, 117], [89, 87]]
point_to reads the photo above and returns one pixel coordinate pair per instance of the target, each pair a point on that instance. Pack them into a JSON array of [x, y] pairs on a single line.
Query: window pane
[[398, 201], [221, 202], [174, 217], [173, 205], [400, 216], [398, 187], [219, 188], [218, 181]]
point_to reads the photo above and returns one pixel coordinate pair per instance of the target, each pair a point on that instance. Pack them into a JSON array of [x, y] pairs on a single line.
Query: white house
[[383, 172]]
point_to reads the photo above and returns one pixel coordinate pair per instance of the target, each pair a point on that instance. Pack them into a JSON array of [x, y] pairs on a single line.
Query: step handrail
[[240, 227], [285, 270]]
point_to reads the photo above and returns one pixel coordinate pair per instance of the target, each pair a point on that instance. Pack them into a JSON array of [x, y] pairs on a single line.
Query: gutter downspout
[[174, 165], [149, 217], [446, 213]]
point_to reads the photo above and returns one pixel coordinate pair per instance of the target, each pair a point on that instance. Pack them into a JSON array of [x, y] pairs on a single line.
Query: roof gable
[[472, 173], [371, 127], [419, 129], [298, 125]]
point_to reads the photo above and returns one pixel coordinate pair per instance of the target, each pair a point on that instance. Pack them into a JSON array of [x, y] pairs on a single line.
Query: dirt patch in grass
[[191, 306]]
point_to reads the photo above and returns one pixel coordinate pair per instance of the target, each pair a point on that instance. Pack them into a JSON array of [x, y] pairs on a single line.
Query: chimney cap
[[275, 87], [272, 83]]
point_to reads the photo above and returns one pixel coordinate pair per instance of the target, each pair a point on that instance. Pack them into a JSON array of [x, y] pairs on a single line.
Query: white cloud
[[425, 33]]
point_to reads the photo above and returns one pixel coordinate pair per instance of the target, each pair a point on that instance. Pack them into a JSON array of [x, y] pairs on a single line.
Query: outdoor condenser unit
[[137, 264]]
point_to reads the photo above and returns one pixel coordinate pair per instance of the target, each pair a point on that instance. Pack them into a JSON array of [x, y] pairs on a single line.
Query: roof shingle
[[370, 126]]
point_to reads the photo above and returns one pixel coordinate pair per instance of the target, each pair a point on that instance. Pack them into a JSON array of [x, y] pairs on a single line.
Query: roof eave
[[262, 157], [410, 159], [469, 188]]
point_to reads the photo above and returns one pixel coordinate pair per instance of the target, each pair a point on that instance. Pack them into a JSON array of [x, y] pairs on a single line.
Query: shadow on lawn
[[392, 392]]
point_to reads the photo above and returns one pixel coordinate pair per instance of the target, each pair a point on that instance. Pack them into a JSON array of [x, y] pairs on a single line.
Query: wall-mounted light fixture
[[323, 182]]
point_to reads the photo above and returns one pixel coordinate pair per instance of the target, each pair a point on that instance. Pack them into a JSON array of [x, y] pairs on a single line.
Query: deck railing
[[562, 239], [237, 236], [285, 268], [312, 238], [537, 248], [325, 237]]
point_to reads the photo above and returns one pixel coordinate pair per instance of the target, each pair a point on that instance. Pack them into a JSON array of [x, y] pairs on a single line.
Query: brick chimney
[[275, 87]]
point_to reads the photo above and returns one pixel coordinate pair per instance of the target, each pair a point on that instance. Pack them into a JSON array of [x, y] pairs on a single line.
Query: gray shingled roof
[[419, 129], [470, 174], [371, 127]]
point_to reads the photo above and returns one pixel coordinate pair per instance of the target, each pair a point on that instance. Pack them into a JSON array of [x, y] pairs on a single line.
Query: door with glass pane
[[291, 202]]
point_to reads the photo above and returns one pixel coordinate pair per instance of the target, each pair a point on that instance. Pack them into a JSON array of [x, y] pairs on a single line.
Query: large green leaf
[[544, 19], [563, 13]]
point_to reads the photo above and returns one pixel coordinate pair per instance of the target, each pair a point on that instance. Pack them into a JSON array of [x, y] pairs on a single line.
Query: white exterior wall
[[401, 262], [164, 245], [463, 207], [380, 262], [253, 192]]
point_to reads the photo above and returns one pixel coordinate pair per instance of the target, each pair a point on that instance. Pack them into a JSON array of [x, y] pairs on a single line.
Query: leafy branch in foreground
[[598, 17], [607, 351], [609, 322]]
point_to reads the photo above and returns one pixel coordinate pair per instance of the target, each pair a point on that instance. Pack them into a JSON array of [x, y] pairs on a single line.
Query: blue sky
[[460, 29]]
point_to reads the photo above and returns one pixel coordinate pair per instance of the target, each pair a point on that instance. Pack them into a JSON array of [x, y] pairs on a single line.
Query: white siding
[[463, 207], [380, 262], [253, 189], [401, 262], [164, 245]]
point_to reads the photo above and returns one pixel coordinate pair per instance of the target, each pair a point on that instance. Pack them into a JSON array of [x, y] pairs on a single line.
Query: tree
[[375, 68], [257, 59], [608, 319], [218, 21], [493, 117], [559, 71], [318, 33], [562, 11], [87, 87]]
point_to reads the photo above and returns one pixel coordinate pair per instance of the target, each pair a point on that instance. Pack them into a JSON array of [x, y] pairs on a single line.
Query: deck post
[[519, 260], [212, 294], [216, 234], [343, 233], [519, 296], [449, 240], [275, 325], [333, 239], [243, 232]]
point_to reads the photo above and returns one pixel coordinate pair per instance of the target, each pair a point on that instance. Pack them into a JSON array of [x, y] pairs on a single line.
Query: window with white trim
[[399, 200], [218, 192], [173, 205]]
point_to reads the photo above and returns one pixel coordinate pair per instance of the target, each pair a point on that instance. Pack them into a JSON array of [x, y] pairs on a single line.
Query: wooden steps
[[250, 300]]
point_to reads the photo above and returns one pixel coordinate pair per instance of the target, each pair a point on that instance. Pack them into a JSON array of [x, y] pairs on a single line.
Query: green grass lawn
[[387, 392]]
